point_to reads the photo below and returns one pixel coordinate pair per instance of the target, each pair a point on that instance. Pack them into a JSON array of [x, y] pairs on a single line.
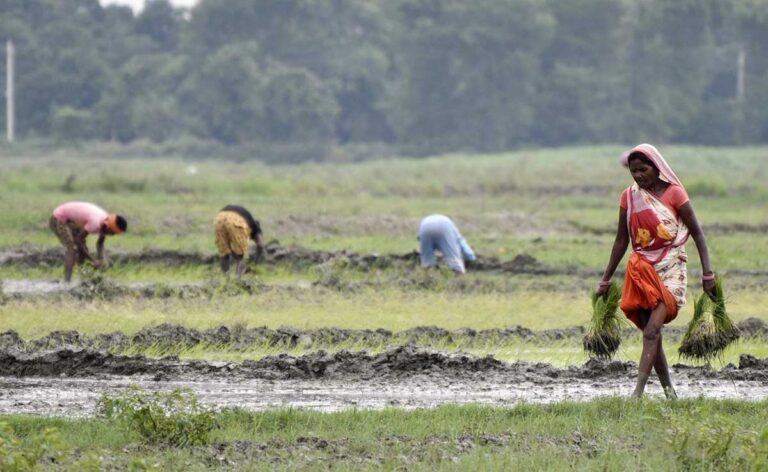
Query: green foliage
[[19, 454], [174, 418], [70, 124], [714, 442], [404, 72], [231, 285]]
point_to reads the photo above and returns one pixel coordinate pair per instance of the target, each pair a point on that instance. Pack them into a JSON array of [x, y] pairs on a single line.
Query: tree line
[[431, 75]]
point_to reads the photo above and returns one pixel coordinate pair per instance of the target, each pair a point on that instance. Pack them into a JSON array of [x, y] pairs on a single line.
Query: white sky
[[139, 4]]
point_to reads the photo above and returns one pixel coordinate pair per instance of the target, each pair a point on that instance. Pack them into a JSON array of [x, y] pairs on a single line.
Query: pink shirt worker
[[72, 222]]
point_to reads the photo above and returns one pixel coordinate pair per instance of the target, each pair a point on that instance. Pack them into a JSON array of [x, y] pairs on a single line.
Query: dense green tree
[[298, 106], [752, 20], [161, 22], [580, 91], [667, 68], [469, 72], [431, 75], [224, 94]]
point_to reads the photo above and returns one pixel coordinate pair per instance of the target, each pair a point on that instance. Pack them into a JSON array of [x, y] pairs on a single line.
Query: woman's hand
[[708, 284], [602, 288]]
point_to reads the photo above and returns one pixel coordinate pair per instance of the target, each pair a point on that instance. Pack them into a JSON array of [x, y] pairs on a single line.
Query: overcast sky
[[139, 4]]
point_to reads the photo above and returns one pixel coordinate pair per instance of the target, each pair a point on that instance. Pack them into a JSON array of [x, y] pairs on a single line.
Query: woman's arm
[[689, 218], [619, 248]]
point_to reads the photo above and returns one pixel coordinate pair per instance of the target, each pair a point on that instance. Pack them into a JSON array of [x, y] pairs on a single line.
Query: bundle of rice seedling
[[711, 330], [603, 335]]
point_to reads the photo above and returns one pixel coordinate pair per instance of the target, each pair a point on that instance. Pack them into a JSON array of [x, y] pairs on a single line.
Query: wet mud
[[30, 256], [65, 372], [69, 382], [332, 265], [393, 364], [102, 288]]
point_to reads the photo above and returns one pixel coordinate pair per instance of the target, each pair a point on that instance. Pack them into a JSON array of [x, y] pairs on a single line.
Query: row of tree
[[436, 75]]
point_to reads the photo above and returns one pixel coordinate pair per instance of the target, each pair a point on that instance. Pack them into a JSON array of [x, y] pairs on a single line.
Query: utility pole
[[10, 112], [739, 129], [741, 63]]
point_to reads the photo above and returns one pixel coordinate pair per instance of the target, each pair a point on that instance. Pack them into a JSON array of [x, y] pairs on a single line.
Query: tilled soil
[[29, 256], [69, 382], [66, 372], [393, 364], [238, 338]]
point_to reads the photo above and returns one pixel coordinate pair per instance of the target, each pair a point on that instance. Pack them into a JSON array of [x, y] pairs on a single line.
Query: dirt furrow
[[397, 363]]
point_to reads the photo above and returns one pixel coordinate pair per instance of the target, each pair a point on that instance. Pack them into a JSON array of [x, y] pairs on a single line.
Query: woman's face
[[644, 174]]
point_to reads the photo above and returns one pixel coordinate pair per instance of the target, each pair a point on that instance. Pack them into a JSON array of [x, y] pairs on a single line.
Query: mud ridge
[[298, 258], [398, 363], [238, 338], [171, 336], [29, 256]]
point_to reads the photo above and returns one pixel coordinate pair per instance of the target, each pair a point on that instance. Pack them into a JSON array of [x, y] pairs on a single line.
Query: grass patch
[[603, 434]]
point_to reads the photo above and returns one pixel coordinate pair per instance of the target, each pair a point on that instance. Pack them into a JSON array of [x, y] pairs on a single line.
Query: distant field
[[558, 206]]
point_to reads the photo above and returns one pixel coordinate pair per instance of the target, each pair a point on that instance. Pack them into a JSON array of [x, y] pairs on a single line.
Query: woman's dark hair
[[122, 223], [642, 158], [252, 223]]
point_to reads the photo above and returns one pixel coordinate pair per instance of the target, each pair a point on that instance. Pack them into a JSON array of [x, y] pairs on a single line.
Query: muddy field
[[64, 373], [78, 396]]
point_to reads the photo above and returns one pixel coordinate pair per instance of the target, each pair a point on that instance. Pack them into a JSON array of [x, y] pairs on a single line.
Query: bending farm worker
[[656, 218], [72, 222], [438, 232], [234, 227]]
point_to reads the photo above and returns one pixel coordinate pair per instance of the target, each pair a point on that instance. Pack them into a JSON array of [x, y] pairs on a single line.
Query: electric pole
[[741, 63], [10, 112]]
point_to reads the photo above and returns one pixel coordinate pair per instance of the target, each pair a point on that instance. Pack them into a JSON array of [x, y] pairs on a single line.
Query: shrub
[[716, 444], [174, 418], [22, 455]]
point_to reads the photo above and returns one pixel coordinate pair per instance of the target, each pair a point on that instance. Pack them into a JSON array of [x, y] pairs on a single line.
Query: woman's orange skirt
[[643, 290]]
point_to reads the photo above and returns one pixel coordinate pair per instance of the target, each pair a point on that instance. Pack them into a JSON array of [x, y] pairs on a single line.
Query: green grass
[[305, 308], [604, 434], [479, 301]]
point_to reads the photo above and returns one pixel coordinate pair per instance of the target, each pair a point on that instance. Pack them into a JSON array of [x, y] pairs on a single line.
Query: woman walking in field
[[234, 227], [656, 217]]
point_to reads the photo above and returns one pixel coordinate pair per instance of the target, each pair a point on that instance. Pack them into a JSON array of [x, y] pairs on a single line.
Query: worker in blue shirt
[[438, 232]]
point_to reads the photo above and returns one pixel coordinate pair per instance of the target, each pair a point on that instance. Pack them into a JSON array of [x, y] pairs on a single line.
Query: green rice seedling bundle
[[711, 330], [603, 335]]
